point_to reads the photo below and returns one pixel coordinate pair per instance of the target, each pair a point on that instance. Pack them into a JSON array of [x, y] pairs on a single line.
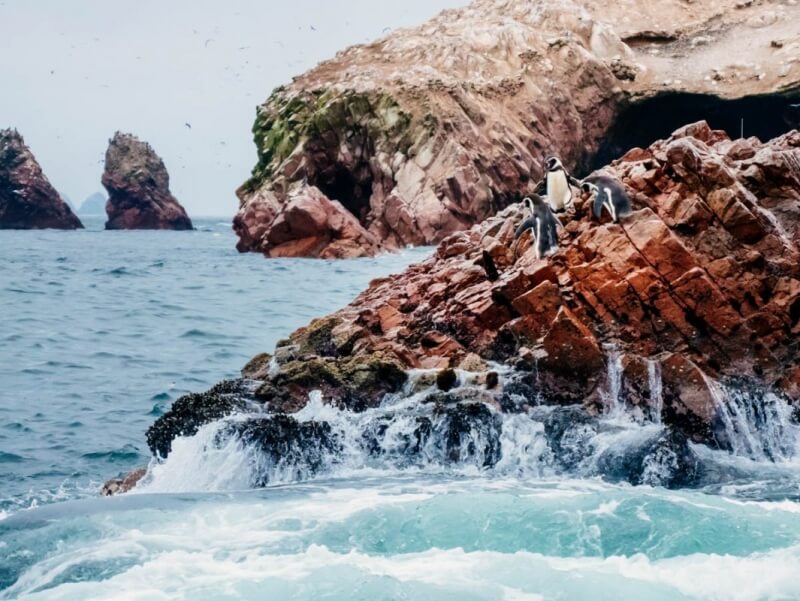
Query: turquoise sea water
[[100, 332]]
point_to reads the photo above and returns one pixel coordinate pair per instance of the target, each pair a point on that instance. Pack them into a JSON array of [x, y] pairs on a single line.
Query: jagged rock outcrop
[[432, 129], [138, 188], [27, 199], [701, 282]]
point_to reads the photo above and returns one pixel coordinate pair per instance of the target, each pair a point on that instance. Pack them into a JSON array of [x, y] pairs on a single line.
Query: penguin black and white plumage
[[556, 185], [608, 194], [541, 220]]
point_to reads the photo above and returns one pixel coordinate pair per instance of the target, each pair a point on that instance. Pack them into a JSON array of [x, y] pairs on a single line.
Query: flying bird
[[208, 41], [189, 125]]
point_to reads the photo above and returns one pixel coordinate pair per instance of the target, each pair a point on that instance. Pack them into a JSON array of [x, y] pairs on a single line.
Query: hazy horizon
[[85, 69]]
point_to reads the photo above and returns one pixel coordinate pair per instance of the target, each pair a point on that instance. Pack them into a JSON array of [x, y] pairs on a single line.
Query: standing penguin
[[540, 219], [609, 195], [556, 185]]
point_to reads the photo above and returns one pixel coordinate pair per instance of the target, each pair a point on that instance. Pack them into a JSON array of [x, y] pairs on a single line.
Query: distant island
[[93, 205]]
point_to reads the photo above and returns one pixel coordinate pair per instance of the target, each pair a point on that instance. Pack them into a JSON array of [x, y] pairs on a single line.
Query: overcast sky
[[75, 71]]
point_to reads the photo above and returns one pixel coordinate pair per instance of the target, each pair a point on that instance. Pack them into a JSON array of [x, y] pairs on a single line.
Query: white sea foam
[[445, 574]]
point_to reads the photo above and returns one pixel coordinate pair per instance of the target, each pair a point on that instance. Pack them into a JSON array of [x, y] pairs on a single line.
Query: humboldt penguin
[[556, 185], [540, 219], [609, 195]]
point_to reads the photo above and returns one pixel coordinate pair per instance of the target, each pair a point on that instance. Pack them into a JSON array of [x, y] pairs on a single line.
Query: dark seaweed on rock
[[193, 411]]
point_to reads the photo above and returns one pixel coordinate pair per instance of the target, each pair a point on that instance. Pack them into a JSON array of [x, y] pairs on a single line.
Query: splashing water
[[614, 406], [755, 426], [408, 434], [656, 391]]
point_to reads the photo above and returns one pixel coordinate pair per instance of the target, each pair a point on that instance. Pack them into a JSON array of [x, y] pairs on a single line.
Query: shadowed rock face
[[701, 281], [138, 188], [27, 200], [433, 129]]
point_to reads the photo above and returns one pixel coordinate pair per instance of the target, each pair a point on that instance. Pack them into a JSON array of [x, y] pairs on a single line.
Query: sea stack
[[27, 199], [434, 128], [138, 188]]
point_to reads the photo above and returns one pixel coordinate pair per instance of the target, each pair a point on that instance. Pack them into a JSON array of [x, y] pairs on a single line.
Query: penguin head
[[536, 201], [553, 163], [527, 203], [588, 188]]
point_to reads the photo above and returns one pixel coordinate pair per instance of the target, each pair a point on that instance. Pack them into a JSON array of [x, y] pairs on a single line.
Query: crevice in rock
[[641, 123]]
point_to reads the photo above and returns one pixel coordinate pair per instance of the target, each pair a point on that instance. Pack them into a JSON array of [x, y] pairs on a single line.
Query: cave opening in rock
[[350, 186], [642, 123], [342, 172]]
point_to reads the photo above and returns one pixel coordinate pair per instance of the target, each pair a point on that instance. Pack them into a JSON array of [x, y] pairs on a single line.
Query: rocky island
[[685, 314], [432, 129], [138, 188], [27, 199]]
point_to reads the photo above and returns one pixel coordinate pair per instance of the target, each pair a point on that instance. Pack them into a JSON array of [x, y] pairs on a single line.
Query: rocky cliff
[[27, 199], [432, 129], [684, 314], [138, 188]]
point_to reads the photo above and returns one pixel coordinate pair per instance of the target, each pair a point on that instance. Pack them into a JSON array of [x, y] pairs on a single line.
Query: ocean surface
[[101, 331]]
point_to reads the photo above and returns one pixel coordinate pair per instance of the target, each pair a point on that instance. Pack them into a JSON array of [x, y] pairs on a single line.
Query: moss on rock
[[258, 367], [286, 123], [356, 382]]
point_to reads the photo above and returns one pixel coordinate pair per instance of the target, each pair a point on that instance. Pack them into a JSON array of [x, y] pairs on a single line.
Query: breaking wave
[[422, 430]]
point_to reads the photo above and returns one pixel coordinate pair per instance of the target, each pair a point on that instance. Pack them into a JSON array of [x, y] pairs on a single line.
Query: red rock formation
[[703, 278], [309, 224], [27, 200], [138, 188], [432, 129]]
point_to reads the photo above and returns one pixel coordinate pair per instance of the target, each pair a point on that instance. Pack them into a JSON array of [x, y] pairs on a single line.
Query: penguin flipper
[[574, 182], [599, 201], [541, 187], [524, 226]]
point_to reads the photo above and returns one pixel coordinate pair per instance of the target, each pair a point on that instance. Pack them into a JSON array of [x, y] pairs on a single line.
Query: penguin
[[541, 220], [556, 185], [609, 195]]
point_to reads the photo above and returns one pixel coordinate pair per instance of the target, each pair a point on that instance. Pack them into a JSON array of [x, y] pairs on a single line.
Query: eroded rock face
[[433, 129], [138, 188], [701, 281], [27, 199]]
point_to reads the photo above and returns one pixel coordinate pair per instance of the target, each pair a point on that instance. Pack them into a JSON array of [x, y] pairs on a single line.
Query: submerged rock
[[119, 486], [138, 188], [27, 199], [286, 446], [432, 129]]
